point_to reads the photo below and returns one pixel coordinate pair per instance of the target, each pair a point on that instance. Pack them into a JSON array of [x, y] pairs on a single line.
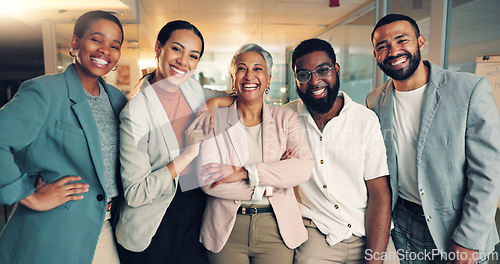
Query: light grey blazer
[[458, 156], [147, 145]]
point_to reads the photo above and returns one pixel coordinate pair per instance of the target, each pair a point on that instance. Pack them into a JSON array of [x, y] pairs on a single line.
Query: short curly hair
[[253, 47], [310, 46]]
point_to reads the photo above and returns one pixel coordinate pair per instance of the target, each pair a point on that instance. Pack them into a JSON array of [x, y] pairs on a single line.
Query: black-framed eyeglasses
[[322, 72]]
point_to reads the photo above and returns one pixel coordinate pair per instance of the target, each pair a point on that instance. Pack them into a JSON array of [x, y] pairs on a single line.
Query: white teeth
[[99, 60], [250, 86], [178, 71], [320, 91], [398, 61]]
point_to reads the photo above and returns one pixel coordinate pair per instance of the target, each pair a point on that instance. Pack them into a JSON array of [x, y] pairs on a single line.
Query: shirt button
[[320, 138], [349, 225], [100, 197], [324, 186], [429, 218], [321, 162], [336, 206], [421, 191]]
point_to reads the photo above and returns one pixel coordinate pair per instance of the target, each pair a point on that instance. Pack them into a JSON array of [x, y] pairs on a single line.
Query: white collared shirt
[[349, 151]]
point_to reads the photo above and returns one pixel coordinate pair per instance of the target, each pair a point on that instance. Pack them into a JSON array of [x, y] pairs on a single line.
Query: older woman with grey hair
[[249, 168]]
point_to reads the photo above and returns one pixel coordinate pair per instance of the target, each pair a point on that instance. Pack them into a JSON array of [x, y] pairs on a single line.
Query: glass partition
[[474, 31]]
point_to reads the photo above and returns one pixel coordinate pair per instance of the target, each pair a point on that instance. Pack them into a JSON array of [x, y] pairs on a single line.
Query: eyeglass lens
[[321, 72]]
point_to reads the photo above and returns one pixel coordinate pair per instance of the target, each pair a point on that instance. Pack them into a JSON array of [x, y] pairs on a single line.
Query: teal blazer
[[48, 130], [458, 156]]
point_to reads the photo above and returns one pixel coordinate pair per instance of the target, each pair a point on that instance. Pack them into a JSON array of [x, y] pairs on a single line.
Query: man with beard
[[441, 133], [346, 203]]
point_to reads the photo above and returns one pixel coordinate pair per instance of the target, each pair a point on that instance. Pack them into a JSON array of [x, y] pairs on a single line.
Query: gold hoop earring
[[71, 53], [116, 67]]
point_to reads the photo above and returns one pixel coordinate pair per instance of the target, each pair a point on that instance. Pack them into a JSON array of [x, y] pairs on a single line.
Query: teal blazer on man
[[458, 156], [48, 131]]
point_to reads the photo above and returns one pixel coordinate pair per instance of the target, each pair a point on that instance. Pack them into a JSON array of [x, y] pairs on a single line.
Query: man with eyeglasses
[[346, 203], [441, 132]]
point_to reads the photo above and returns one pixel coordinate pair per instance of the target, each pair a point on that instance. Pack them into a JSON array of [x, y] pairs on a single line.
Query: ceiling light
[[132, 41]]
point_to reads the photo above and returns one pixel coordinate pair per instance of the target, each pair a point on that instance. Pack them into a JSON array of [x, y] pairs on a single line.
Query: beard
[[403, 73], [322, 105]]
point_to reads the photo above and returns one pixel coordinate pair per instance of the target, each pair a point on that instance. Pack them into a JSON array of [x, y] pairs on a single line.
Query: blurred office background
[[35, 37]]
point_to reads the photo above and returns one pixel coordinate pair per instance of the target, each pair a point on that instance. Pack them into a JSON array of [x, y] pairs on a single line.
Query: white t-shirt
[[349, 151], [254, 139], [406, 124]]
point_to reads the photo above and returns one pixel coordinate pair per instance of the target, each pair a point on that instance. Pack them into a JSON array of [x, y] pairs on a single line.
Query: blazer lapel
[[193, 93], [386, 121], [160, 119], [268, 127], [83, 113], [116, 98], [429, 108], [235, 136], [232, 114], [386, 116]]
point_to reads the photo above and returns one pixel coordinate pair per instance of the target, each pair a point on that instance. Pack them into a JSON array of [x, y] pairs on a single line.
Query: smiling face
[[179, 57], [99, 49], [250, 76], [397, 49], [318, 94]]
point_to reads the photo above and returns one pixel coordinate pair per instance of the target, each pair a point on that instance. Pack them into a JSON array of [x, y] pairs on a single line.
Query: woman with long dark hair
[[160, 137]]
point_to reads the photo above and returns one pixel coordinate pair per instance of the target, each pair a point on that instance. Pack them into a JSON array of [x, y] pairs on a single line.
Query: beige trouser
[[255, 239], [352, 250], [105, 252]]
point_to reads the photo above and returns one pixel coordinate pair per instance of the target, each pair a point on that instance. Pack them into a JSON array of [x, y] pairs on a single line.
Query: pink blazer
[[281, 130]]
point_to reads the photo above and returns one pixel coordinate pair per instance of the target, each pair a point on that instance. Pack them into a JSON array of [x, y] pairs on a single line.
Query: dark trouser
[[177, 238], [411, 235]]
